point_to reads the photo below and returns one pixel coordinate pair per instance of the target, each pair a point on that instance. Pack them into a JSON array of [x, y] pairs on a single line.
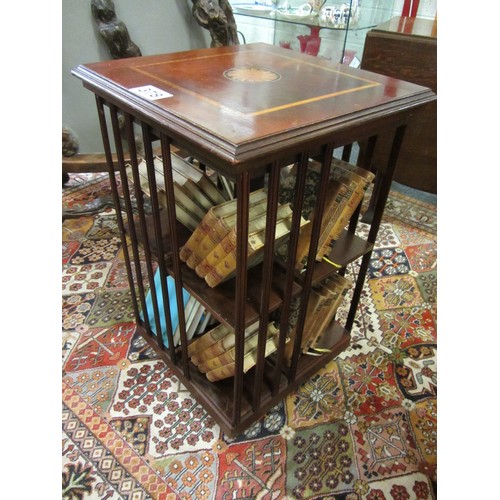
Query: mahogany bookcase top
[[241, 101]]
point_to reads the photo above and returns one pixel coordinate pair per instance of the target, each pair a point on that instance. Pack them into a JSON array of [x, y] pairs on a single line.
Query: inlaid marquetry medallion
[[251, 75]]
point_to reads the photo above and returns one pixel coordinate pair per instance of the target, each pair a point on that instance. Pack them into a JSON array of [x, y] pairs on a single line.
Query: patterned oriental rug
[[363, 427]]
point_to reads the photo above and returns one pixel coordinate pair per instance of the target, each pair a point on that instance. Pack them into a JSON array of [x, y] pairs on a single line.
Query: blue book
[[174, 316]]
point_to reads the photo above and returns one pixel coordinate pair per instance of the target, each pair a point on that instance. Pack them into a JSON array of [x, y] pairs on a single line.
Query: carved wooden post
[[217, 17], [114, 32]]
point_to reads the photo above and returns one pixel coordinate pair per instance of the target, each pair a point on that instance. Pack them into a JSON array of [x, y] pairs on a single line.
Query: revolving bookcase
[[246, 113]]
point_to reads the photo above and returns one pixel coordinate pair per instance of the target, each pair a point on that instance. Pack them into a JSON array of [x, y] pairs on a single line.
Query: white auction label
[[150, 92]]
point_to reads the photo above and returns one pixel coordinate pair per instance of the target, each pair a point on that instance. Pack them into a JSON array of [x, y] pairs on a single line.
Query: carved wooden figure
[[114, 32], [217, 17]]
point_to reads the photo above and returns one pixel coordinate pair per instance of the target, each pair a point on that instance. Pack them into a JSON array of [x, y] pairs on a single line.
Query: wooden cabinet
[[247, 112], [406, 48]]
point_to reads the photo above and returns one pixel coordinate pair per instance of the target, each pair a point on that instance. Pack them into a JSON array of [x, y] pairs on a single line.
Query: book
[[342, 183], [362, 179], [227, 245], [183, 169], [208, 339], [190, 185], [323, 302], [184, 199], [359, 179], [225, 268], [196, 193], [335, 289], [249, 361], [215, 214], [192, 313], [335, 194], [224, 343], [251, 343], [174, 314], [331, 219], [313, 304], [195, 320], [205, 319], [220, 229]]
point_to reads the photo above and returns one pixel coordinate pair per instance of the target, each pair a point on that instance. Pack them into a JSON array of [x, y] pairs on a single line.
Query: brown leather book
[[249, 358], [335, 288], [220, 229], [228, 356], [223, 344], [214, 215]]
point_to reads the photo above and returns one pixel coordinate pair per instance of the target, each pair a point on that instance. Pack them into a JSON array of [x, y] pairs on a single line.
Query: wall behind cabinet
[[156, 26]]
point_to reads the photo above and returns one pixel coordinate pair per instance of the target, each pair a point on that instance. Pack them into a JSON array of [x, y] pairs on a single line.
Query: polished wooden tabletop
[[237, 96], [413, 26]]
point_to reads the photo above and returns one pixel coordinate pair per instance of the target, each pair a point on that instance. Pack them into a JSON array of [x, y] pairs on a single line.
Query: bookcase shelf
[[218, 397], [247, 119], [220, 299], [348, 248]]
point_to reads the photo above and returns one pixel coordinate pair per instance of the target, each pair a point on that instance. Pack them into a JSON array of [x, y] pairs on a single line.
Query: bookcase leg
[[116, 199], [385, 181], [300, 184], [242, 210], [365, 261], [327, 157], [379, 199], [365, 161], [129, 131], [267, 275]]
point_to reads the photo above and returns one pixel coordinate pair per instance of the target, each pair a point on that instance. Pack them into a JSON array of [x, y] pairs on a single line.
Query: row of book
[[323, 302], [211, 249], [194, 192], [213, 351], [197, 317], [346, 187], [210, 214]]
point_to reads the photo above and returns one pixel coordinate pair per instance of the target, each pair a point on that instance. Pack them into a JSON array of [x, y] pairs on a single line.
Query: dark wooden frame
[[252, 295]]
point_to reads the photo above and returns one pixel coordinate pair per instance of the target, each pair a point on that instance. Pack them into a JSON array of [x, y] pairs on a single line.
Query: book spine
[[226, 267], [320, 318], [221, 250], [195, 191], [342, 220], [217, 361], [209, 338], [335, 210], [211, 191], [313, 303], [337, 299], [251, 343], [198, 234], [366, 175], [225, 343], [249, 361], [228, 356], [190, 205], [217, 348], [334, 197], [225, 209], [218, 235], [214, 235]]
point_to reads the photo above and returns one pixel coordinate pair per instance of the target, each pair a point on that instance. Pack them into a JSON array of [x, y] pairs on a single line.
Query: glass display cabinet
[[328, 29]]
